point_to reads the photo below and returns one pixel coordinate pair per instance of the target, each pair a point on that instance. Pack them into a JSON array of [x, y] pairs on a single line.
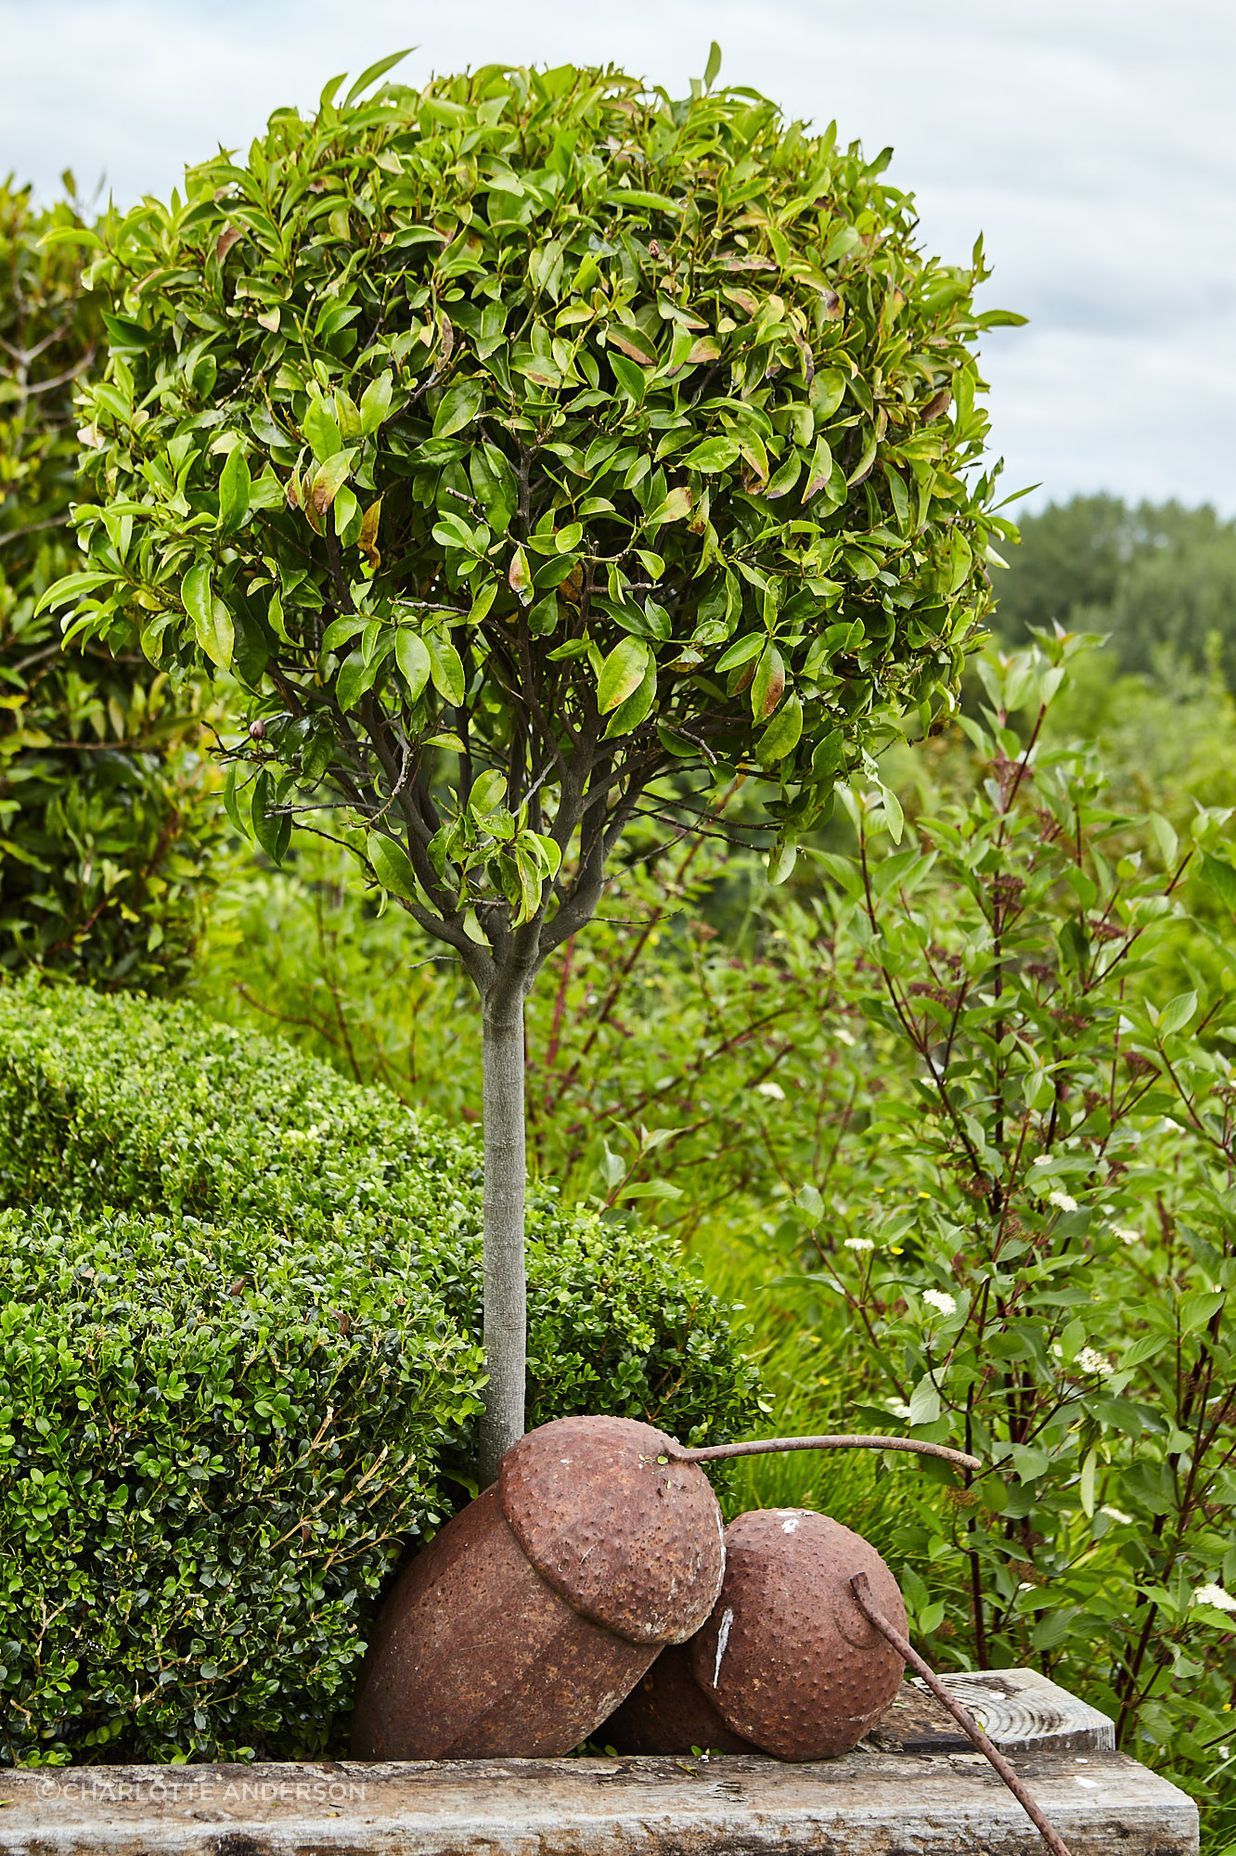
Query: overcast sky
[[1092, 141]]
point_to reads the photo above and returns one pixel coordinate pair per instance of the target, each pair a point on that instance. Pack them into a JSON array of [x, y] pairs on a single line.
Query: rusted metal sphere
[[787, 1662], [539, 1607], [668, 1712]]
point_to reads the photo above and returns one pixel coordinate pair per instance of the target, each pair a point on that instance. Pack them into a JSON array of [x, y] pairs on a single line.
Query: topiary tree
[[535, 449], [104, 844]]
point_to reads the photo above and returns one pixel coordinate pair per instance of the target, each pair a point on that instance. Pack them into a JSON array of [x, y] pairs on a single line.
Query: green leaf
[[1220, 876], [488, 792], [372, 73], [712, 454], [893, 813], [622, 673], [741, 652], [235, 489], [412, 661], [1199, 1307], [781, 860], [391, 865], [72, 587], [375, 403], [445, 668], [629, 714], [713, 67], [1177, 1013], [321, 429], [781, 736], [458, 407], [355, 676], [924, 1403], [212, 622]]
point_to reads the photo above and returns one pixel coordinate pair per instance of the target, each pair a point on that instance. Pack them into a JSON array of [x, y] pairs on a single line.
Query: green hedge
[[232, 1247], [108, 837], [208, 1449]]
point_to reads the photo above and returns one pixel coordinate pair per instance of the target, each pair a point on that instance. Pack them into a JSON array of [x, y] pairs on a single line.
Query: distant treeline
[[1159, 579]]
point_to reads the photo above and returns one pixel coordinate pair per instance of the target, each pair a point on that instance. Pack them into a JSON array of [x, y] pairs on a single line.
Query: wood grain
[[875, 1802], [1020, 1710]]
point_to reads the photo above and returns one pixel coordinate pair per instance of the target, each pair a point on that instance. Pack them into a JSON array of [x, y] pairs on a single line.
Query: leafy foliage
[[214, 1439], [157, 1109], [523, 440], [104, 840], [231, 1397], [1049, 953]]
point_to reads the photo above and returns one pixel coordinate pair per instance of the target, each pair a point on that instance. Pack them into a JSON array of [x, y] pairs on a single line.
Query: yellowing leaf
[[782, 735], [368, 543], [628, 345], [676, 506], [519, 577], [328, 480]]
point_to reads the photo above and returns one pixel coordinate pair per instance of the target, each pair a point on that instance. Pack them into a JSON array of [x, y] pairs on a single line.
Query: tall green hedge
[[106, 835], [239, 1367]]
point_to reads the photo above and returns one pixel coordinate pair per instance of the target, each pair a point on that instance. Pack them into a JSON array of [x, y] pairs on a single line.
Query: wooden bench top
[[915, 1788]]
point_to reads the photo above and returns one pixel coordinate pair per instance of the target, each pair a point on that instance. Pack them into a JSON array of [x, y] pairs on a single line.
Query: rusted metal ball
[[539, 1607], [787, 1663], [668, 1712]]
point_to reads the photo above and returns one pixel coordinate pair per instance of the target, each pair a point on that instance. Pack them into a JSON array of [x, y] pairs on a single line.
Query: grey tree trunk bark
[[505, 1175]]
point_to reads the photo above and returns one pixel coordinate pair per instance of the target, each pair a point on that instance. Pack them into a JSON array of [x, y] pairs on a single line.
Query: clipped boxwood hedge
[[208, 1451], [239, 1367]]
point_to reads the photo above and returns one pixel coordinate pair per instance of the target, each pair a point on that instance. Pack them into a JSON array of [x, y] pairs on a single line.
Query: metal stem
[[861, 1589], [761, 1446]]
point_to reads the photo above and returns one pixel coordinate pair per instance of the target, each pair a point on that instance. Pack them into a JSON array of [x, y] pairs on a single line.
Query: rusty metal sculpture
[[787, 1662], [803, 1652], [542, 1604]]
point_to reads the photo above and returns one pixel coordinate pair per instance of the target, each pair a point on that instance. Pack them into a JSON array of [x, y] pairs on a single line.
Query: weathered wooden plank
[[1020, 1710], [873, 1803], [910, 1790]]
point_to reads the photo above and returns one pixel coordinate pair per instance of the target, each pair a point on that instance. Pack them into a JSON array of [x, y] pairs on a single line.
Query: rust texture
[[629, 1536], [787, 1657], [668, 1712], [541, 1605]]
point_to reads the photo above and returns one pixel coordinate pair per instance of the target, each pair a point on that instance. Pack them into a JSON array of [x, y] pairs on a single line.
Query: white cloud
[[1089, 139]]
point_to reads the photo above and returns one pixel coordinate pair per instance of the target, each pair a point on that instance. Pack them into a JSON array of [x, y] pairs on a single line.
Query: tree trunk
[[505, 1176]]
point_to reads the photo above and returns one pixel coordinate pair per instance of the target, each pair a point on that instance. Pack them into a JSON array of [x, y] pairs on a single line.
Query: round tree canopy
[[529, 437]]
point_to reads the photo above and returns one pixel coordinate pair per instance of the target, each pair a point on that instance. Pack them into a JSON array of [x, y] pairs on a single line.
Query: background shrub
[[106, 835]]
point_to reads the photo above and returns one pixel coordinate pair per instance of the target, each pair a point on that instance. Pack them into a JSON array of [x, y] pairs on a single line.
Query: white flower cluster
[[1215, 1597], [859, 1243], [942, 1300], [1089, 1360], [1063, 1201]]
